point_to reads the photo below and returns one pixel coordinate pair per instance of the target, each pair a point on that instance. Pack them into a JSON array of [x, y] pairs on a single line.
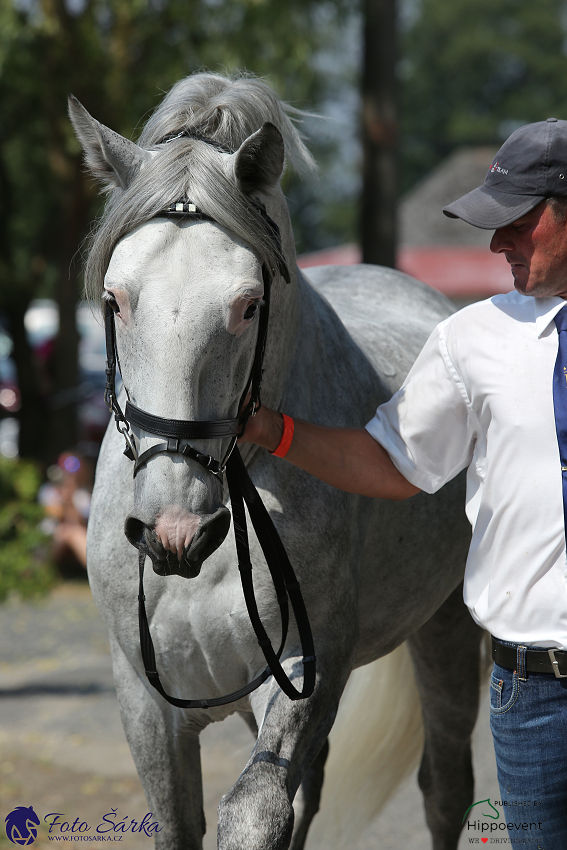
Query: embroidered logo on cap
[[496, 167]]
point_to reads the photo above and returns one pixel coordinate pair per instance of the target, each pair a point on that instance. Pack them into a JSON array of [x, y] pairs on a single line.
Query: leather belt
[[537, 660]]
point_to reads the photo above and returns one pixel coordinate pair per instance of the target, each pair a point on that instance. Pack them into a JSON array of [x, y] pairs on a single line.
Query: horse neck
[[302, 328], [313, 352], [285, 310]]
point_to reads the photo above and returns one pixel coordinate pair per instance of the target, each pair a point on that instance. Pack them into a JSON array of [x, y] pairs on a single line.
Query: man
[[484, 394]]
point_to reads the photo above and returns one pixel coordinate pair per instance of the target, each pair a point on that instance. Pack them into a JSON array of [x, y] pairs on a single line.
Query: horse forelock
[[204, 105], [226, 110]]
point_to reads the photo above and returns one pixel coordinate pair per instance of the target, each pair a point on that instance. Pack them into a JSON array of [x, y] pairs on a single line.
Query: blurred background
[[409, 100], [414, 97]]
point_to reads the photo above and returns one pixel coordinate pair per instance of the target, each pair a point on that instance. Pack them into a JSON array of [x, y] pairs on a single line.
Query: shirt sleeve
[[428, 427]]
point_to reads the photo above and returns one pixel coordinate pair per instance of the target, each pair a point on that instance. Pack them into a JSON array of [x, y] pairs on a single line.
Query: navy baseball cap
[[530, 166]]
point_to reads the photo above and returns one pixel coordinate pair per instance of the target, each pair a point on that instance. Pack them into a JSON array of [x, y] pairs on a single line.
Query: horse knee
[[256, 814]]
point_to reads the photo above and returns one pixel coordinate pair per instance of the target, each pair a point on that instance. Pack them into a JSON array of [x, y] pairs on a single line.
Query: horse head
[[186, 293]]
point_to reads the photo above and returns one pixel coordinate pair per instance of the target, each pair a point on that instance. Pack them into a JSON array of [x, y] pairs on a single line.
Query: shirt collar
[[545, 311]]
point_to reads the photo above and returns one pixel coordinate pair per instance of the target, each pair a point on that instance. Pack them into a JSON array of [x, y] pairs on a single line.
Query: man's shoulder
[[482, 328], [495, 311]]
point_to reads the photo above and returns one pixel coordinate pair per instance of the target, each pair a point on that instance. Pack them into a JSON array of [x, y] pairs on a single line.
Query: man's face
[[535, 245]]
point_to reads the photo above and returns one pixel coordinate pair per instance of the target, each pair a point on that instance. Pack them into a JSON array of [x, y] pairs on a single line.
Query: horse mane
[[224, 110]]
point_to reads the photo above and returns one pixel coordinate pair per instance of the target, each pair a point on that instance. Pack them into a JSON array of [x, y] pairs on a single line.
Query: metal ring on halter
[[131, 445]]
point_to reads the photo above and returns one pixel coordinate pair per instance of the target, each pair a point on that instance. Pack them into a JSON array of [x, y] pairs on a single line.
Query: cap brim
[[490, 208]]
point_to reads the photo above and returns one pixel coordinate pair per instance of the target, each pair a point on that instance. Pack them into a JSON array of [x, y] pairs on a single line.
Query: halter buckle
[[130, 451]]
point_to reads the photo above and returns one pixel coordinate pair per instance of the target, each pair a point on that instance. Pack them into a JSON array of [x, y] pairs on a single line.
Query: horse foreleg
[[167, 757], [307, 799], [446, 656], [257, 814]]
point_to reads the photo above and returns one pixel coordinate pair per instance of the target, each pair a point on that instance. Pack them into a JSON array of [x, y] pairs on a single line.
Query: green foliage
[[474, 70], [118, 57], [24, 548]]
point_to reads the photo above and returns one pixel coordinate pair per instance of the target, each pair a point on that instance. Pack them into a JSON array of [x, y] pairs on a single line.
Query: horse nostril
[[134, 529], [209, 536], [144, 539]]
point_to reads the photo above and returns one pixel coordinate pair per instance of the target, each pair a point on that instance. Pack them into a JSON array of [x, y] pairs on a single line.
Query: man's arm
[[347, 458]]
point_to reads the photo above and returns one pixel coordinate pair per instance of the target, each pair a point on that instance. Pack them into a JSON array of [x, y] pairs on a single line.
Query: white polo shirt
[[480, 396]]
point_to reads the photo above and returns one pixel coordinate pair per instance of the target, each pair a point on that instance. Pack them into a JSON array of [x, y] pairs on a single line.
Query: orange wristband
[[286, 439]]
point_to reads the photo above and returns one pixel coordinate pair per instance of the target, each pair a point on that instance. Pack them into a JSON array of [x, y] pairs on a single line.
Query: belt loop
[[521, 663]]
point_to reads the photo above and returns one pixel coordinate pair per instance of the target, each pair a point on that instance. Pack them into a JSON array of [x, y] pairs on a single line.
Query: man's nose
[[502, 241]]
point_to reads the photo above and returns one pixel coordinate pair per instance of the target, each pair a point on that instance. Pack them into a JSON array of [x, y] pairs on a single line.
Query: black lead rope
[[242, 490], [149, 659]]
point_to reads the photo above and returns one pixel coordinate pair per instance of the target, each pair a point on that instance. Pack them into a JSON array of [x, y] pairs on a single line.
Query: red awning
[[456, 272]]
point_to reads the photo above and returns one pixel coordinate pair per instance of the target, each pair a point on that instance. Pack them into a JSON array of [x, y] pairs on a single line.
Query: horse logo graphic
[[21, 826], [484, 814]]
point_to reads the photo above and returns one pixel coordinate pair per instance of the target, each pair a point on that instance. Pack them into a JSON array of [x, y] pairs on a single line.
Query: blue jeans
[[528, 719]]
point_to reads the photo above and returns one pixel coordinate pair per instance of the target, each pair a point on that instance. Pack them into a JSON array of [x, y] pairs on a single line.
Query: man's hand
[[347, 458], [265, 429]]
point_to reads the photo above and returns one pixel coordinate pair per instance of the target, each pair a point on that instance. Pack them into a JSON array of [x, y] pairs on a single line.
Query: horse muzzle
[[188, 559]]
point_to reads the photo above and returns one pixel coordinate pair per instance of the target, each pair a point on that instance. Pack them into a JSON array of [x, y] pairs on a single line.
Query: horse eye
[[113, 303], [251, 310]]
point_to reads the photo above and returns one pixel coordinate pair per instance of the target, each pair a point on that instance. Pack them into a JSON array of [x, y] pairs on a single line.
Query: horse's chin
[[172, 566], [167, 563]]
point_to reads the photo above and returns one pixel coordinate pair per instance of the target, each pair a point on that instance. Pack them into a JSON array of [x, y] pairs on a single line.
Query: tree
[[117, 57], [380, 134], [472, 71]]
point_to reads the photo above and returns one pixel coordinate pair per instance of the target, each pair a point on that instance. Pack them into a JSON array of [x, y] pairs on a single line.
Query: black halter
[[241, 489]]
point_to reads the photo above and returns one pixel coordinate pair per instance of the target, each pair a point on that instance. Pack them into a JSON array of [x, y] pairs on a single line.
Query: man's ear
[[111, 158], [259, 160]]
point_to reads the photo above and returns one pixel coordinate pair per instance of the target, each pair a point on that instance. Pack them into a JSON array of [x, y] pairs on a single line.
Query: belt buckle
[[555, 665]]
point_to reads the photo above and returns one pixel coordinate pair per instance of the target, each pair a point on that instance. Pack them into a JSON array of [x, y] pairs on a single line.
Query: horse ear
[[259, 160], [110, 157]]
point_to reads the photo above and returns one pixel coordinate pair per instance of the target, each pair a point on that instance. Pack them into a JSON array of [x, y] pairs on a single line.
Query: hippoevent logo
[[22, 824], [518, 821]]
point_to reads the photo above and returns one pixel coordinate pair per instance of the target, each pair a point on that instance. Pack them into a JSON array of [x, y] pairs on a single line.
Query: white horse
[[186, 293]]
